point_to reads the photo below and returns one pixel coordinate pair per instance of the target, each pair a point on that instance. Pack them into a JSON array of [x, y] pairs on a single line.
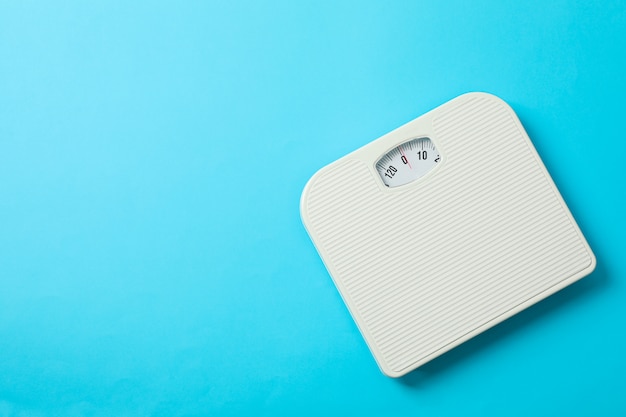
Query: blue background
[[152, 155]]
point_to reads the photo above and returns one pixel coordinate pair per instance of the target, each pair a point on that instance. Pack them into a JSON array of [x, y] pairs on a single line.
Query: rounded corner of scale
[[593, 263], [391, 373], [482, 94], [303, 201], [305, 193]]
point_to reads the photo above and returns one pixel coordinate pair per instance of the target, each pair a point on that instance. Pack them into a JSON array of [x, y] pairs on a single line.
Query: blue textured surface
[[152, 156]]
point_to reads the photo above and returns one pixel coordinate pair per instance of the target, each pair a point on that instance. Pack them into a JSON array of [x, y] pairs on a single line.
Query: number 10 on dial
[[407, 162]]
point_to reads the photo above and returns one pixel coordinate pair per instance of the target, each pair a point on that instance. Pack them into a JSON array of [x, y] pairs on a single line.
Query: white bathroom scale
[[441, 229]]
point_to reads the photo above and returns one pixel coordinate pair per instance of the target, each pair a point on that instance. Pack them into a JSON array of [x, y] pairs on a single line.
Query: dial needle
[[407, 159]]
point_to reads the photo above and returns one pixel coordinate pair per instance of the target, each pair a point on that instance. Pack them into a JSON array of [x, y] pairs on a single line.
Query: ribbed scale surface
[[425, 265]]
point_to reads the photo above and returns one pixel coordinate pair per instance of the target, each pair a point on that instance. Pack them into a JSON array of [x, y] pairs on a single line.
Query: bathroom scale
[[441, 229]]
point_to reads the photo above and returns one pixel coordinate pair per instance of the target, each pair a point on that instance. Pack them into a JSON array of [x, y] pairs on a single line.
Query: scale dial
[[407, 162]]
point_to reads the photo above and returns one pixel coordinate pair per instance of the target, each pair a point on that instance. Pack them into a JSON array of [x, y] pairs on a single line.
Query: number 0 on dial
[[407, 162]]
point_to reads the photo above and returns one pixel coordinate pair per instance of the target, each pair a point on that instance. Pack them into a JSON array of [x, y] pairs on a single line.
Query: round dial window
[[407, 162]]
